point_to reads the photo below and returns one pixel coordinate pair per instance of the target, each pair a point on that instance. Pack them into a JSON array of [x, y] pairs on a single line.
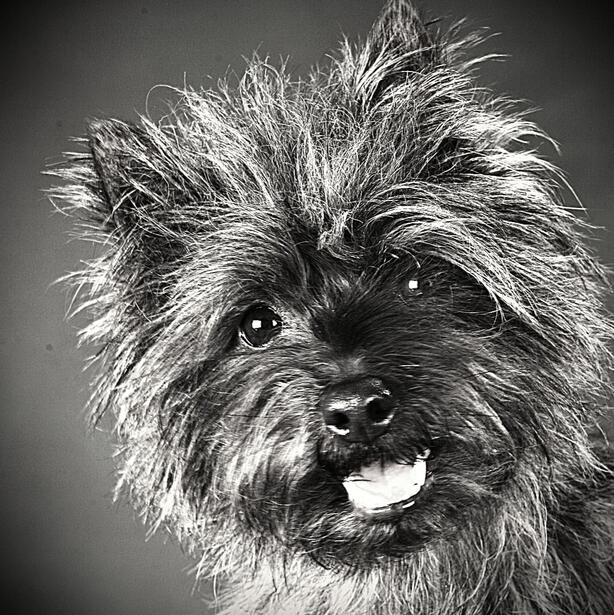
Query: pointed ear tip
[[106, 138], [100, 128], [400, 6], [96, 124], [397, 15]]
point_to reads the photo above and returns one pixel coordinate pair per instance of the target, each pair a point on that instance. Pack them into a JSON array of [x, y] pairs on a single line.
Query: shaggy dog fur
[[275, 248]]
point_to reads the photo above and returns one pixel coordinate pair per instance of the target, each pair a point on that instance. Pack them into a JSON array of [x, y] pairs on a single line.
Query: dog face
[[344, 318], [360, 398]]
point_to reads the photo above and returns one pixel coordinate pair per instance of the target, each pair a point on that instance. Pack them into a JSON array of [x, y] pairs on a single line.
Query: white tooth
[[380, 485]]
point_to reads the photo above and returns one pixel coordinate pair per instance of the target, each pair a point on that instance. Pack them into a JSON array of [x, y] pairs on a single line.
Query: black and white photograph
[[307, 308]]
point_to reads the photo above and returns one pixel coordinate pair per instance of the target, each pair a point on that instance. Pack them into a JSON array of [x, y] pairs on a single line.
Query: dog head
[[340, 318]]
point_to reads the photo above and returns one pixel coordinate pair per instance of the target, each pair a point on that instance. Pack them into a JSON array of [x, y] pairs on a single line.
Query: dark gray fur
[[322, 198]]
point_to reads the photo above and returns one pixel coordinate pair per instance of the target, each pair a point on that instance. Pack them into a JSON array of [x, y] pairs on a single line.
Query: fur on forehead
[[391, 146], [355, 132]]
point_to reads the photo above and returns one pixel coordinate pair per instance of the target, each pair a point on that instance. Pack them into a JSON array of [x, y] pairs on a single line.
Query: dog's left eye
[[259, 325]]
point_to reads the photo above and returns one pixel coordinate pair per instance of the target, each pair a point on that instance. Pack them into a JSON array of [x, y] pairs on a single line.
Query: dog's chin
[[392, 508], [379, 509]]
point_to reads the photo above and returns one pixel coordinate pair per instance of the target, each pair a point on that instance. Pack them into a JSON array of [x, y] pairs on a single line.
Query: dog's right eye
[[259, 326]]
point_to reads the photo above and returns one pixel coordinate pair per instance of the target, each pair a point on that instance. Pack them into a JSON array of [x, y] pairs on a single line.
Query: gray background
[[67, 548]]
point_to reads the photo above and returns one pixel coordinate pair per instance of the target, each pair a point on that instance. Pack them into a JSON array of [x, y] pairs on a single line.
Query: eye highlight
[[259, 325], [416, 286], [413, 285]]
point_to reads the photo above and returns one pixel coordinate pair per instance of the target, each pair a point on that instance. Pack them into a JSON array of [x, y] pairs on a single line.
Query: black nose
[[358, 410]]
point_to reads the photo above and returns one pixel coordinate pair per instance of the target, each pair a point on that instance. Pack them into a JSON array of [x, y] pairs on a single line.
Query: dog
[[352, 338]]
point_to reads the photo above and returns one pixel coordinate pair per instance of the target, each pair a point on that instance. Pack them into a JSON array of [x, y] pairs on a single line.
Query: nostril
[[338, 422], [380, 410], [338, 419]]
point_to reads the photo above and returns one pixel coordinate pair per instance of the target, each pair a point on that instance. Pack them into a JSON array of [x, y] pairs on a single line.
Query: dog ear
[[133, 178], [399, 45], [133, 200], [399, 28], [149, 186], [115, 146]]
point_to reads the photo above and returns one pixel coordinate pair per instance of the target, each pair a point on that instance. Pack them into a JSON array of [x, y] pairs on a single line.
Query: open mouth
[[385, 488]]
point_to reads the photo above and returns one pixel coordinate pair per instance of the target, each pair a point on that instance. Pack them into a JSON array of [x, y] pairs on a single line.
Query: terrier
[[353, 340]]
